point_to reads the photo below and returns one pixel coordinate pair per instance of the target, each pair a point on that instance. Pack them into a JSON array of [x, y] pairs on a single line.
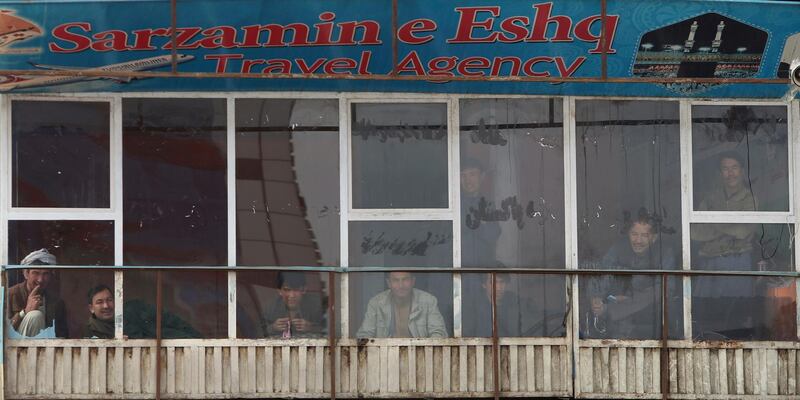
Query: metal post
[[394, 38], [495, 344], [603, 40], [664, 336], [332, 329], [159, 306], [173, 35]]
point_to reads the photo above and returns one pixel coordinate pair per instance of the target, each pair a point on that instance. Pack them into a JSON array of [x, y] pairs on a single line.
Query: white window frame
[[348, 214]]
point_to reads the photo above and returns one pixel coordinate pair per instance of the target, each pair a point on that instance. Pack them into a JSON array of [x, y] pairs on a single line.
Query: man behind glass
[[293, 314], [478, 235], [101, 309], [630, 303], [32, 306], [402, 311], [478, 318]]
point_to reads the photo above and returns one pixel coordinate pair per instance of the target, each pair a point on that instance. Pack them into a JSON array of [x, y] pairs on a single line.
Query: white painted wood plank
[[354, 369], [771, 356], [639, 370], [764, 368], [655, 384], [547, 384], [393, 368], [586, 370], [384, 369], [102, 369], [170, 383], [738, 356], [530, 369], [269, 369], [68, 367], [49, 370], [11, 370], [236, 379], [412, 369], [217, 369], [202, 361], [83, 371], [29, 383], [480, 383], [251, 369], [373, 369], [613, 370], [513, 370], [302, 359], [703, 381], [319, 361], [673, 371], [429, 369], [462, 368], [604, 372], [118, 380], [690, 370], [622, 370], [722, 362], [791, 361], [133, 372], [286, 354]]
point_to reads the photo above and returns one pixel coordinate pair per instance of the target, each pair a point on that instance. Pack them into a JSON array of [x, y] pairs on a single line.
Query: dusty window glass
[[399, 155], [57, 295], [740, 158], [287, 182], [281, 304], [194, 304], [527, 305], [629, 215], [174, 163], [400, 304], [401, 244], [512, 183], [743, 308], [61, 154]]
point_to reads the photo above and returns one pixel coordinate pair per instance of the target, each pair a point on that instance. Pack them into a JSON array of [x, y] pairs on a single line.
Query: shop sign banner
[[445, 41]]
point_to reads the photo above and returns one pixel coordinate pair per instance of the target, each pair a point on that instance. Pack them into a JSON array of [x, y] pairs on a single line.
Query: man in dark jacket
[[101, 307]]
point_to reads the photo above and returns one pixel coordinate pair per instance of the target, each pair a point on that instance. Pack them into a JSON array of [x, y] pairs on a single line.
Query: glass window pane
[[628, 170], [401, 304], [194, 304], [740, 158], [61, 154], [512, 183], [62, 293], [401, 244], [174, 163], [742, 308], [527, 305], [629, 307], [287, 182], [399, 155]]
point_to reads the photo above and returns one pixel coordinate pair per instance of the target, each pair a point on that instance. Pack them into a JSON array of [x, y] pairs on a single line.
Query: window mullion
[[686, 211], [230, 144], [116, 206]]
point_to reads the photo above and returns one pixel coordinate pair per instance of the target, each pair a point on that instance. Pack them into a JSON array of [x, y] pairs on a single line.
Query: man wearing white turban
[[32, 308]]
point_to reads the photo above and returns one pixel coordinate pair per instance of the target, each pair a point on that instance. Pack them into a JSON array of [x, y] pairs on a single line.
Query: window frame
[[345, 101]]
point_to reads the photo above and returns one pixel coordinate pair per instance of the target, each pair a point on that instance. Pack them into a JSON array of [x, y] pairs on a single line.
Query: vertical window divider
[[454, 136], [344, 213], [571, 239], [794, 162], [5, 176], [230, 143], [116, 206], [686, 211]]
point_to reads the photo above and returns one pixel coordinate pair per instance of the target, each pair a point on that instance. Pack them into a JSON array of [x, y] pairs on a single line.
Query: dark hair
[[733, 155], [95, 290], [469, 162], [294, 280]]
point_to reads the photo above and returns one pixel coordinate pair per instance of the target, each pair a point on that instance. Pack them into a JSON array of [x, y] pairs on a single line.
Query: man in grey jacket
[[402, 311]]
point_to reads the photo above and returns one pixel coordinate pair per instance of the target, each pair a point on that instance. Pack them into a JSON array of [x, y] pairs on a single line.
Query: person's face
[[37, 277], [102, 305], [641, 236], [598, 308], [400, 284], [292, 296], [731, 172], [500, 283], [471, 179]]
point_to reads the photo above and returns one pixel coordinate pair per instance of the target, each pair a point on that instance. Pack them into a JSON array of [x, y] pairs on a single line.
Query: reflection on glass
[[740, 158], [287, 182], [285, 304], [401, 304], [628, 169], [61, 154], [401, 244], [629, 307], [512, 183], [399, 155], [174, 203], [71, 242], [740, 308], [527, 305], [194, 304]]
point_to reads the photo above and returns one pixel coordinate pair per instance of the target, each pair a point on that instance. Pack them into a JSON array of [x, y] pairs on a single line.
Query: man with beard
[[31, 305]]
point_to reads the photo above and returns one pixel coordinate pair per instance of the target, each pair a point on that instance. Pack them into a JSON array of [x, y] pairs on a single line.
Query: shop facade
[[586, 199]]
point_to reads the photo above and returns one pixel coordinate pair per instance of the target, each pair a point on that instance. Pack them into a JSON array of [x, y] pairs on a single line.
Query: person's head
[[642, 234], [101, 302], [731, 170], [291, 288], [400, 284], [500, 283], [472, 175], [598, 307], [38, 277]]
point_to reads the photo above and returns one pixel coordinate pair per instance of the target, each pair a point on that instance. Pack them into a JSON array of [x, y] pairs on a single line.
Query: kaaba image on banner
[[706, 46]]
